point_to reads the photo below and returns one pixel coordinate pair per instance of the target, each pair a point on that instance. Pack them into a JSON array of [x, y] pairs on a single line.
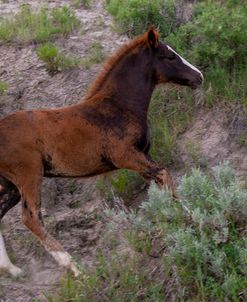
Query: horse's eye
[[171, 56]]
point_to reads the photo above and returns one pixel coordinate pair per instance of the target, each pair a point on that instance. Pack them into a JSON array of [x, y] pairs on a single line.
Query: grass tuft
[[30, 26], [54, 60], [3, 87]]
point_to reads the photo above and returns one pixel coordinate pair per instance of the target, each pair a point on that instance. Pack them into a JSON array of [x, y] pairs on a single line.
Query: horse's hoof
[[13, 270], [75, 270], [16, 271]]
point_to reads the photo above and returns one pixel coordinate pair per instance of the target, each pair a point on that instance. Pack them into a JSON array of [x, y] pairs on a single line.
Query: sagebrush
[[194, 249]]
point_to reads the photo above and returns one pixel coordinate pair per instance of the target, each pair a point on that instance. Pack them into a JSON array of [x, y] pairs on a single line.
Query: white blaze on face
[[185, 62]]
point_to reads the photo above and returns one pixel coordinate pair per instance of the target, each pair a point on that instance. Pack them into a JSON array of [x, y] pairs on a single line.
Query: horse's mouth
[[197, 82]]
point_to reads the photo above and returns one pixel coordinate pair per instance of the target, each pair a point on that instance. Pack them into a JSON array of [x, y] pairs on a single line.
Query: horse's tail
[[9, 196]]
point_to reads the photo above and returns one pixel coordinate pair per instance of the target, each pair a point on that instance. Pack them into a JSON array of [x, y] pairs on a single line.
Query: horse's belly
[[77, 166]]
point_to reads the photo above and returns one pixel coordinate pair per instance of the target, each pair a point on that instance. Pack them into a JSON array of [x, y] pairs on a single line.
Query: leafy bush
[[215, 39], [28, 26], [134, 16], [205, 242], [199, 244], [216, 34], [54, 60]]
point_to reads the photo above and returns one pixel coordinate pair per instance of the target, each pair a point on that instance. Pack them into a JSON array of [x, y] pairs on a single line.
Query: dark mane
[[108, 66]]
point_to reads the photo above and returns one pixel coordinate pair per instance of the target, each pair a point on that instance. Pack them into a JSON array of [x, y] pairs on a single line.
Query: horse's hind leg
[[9, 197], [32, 218]]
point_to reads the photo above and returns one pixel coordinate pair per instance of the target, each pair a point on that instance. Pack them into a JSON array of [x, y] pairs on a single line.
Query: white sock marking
[[64, 259], [185, 61], [5, 263]]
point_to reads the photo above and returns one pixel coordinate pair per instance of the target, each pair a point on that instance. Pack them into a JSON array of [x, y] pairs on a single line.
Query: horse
[[107, 130]]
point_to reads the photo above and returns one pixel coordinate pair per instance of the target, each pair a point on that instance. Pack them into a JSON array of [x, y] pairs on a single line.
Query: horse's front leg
[[149, 169]]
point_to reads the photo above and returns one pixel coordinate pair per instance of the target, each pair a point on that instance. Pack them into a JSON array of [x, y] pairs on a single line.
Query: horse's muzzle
[[197, 82]]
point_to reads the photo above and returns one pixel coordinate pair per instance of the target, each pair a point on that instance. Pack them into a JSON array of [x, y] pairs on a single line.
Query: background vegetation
[[194, 249], [214, 39], [40, 26]]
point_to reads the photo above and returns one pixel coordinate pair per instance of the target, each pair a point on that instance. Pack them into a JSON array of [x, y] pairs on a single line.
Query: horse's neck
[[132, 86]]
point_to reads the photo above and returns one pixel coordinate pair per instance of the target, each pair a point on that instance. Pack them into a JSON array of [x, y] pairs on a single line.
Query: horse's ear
[[152, 38]]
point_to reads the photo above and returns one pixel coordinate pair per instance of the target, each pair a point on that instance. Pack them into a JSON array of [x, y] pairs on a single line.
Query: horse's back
[[18, 131], [16, 128]]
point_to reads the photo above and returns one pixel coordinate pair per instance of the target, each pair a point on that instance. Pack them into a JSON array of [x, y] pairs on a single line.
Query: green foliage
[[134, 16], [216, 34], [29, 26], [169, 114], [3, 87], [202, 236], [199, 242], [117, 279], [65, 19], [123, 183], [54, 60], [215, 39]]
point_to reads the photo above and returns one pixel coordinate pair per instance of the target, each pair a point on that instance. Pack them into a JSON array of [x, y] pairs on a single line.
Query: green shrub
[[199, 243], [202, 236], [215, 39], [54, 60], [216, 34], [134, 16], [29, 26]]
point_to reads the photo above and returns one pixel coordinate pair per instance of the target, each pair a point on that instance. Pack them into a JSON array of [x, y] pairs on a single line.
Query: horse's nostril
[[201, 77]]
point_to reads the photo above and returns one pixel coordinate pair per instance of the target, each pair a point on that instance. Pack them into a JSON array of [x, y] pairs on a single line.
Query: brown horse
[[104, 132]]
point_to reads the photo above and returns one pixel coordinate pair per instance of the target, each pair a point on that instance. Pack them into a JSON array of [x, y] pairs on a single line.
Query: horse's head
[[169, 66]]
